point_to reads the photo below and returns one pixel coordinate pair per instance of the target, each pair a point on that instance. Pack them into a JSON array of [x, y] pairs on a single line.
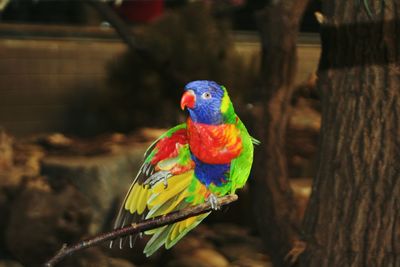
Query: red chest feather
[[214, 144]]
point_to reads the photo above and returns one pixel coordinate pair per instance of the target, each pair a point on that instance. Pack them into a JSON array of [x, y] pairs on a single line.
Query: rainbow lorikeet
[[207, 157]]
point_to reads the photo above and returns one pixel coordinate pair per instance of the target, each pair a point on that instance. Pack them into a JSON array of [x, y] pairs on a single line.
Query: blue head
[[203, 99]]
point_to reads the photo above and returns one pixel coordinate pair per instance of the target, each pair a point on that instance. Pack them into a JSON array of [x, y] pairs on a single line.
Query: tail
[[171, 234]]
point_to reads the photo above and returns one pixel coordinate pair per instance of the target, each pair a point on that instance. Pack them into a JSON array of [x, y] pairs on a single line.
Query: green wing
[[241, 166]]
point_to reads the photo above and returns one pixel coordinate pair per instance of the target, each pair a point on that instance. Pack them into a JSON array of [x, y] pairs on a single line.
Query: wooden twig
[[137, 228]]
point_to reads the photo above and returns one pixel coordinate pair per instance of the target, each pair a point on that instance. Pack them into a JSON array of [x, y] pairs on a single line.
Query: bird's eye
[[206, 95]]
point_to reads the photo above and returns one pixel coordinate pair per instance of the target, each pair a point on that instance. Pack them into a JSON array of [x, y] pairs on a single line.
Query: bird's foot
[[147, 169], [213, 200], [157, 177]]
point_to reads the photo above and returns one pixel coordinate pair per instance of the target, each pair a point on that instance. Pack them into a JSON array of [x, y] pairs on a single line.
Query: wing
[[168, 159], [241, 166]]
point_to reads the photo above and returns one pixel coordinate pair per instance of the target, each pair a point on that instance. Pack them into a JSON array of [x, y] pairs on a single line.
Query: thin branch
[[138, 227]]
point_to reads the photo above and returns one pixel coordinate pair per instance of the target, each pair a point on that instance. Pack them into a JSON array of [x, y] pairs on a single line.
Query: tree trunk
[[273, 198], [353, 217]]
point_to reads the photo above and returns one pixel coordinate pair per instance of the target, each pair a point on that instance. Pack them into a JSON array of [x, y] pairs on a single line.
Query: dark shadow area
[[341, 45]]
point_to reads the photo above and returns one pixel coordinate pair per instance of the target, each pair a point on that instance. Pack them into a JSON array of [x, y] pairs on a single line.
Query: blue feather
[[211, 173]]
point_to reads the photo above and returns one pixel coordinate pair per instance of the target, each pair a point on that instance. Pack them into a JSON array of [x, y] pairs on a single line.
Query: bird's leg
[[213, 200], [157, 177]]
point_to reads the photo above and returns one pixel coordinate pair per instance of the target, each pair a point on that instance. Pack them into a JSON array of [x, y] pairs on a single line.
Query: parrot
[[208, 156]]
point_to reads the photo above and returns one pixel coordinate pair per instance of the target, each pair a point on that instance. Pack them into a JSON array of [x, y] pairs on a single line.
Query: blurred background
[[85, 86]]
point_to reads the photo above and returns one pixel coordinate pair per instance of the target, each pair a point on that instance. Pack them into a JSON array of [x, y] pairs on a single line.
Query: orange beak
[[188, 99]]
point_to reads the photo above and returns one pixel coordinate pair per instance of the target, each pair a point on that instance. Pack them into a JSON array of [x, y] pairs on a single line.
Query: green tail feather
[[157, 240], [160, 236], [172, 243]]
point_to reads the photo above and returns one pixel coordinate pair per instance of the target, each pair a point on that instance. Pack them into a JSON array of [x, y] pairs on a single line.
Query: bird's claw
[[157, 177], [213, 200]]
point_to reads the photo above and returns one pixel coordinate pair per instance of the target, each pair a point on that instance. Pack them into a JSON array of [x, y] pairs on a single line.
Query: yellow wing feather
[[159, 200], [176, 184], [130, 203], [142, 200]]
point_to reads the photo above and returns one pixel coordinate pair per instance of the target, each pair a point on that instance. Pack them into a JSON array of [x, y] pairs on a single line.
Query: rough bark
[[353, 216], [273, 198]]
